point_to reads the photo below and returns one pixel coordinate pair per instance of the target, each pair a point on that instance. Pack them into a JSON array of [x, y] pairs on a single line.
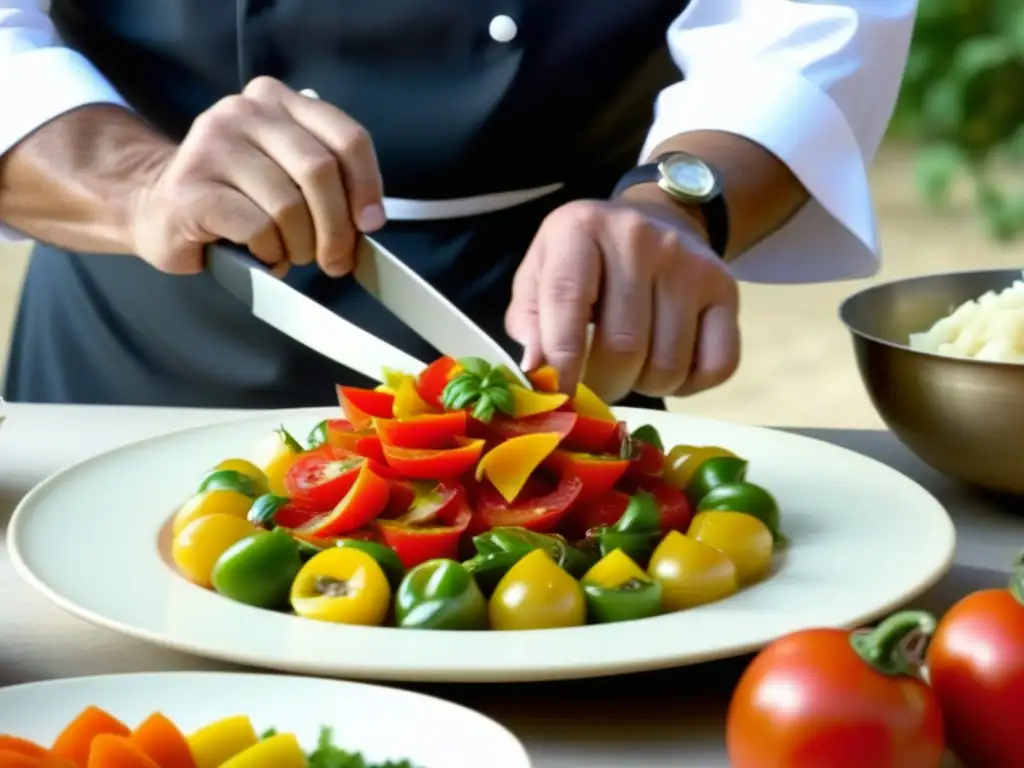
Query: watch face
[[689, 176]]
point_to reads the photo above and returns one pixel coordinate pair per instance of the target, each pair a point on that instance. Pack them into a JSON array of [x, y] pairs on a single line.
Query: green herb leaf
[[501, 396], [484, 409], [288, 440], [475, 366], [327, 755]]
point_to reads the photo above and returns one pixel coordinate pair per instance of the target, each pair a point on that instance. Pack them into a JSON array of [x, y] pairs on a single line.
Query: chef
[[544, 163]]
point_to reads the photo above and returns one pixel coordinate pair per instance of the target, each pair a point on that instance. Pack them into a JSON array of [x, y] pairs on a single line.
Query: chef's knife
[[410, 298]]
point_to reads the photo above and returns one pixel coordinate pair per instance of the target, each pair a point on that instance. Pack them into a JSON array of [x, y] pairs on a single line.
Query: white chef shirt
[[812, 81]]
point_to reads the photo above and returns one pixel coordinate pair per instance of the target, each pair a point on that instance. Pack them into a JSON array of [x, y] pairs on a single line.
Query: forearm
[[71, 182], [761, 193]]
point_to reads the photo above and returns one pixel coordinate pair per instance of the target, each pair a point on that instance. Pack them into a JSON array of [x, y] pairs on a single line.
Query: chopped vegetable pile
[[97, 739], [460, 500]]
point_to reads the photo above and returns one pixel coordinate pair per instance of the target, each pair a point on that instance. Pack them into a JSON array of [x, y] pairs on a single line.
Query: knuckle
[[230, 108], [315, 169], [584, 213], [287, 205], [355, 141], [562, 289], [263, 87], [622, 341]]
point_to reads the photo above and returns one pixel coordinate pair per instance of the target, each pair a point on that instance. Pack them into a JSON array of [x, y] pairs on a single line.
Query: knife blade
[[425, 310], [275, 302]]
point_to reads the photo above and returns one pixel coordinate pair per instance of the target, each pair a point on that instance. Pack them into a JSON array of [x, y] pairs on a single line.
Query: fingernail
[[371, 218], [309, 93], [337, 268]]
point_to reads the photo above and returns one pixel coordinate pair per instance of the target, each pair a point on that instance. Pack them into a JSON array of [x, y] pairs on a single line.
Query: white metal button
[[503, 29]]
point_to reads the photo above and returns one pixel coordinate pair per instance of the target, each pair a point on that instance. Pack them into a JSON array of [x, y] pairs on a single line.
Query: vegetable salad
[[97, 739], [460, 500]]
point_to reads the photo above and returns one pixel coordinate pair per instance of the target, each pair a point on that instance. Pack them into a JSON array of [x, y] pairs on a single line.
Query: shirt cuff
[[39, 85], [835, 235]]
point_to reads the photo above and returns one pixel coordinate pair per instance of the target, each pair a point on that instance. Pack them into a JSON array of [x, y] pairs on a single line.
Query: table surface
[[654, 719]]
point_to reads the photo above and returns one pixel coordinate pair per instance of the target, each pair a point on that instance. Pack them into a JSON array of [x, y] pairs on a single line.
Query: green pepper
[[489, 568], [501, 548], [317, 435], [741, 496], [440, 594], [384, 555], [262, 511], [258, 570], [636, 533], [648, 434], [714, 472], [617, 589], [229, 480]]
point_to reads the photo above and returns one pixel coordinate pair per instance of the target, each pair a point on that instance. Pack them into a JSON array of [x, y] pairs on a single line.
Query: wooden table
[[672, 718]]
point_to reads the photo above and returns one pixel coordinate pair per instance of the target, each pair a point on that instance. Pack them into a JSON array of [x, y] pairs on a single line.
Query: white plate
[[865, 539], [382, 723]]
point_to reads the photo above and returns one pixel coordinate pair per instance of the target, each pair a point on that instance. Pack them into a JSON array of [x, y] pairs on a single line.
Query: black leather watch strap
[[715, 211]]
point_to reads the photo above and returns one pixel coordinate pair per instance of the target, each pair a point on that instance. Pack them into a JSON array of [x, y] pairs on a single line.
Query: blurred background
[[949, 191]]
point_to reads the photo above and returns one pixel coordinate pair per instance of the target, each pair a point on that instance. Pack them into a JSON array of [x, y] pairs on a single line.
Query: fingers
[[673, 335], [522, 320], [717, 353]]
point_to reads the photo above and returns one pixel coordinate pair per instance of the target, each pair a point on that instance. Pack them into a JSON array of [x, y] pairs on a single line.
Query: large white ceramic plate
[[382, 723], [865, 539]]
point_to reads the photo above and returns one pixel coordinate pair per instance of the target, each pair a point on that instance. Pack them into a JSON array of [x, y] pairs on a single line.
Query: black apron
[[453, 113]]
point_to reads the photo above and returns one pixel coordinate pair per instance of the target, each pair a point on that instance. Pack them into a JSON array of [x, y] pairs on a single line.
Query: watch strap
[[714, 209]]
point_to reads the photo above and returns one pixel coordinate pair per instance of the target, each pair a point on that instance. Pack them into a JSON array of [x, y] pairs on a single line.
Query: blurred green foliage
[[963, 101]]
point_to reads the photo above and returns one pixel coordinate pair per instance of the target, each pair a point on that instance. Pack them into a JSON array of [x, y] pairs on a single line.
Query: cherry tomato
[[976, 667], [673, 506], [197, 547], [431, 464], [504, 428], [343, 585], [599, 473], [365, 499], [428, 431], [248, 469], [539, 513], [691, 573], [537, 594], [683, 461], [741, 537], [431, 382], [283, 451], [431, 529], [220, 501], [644, 459], [823, 698], [361, 406], [321, 478], [587, 514], [591, 435]]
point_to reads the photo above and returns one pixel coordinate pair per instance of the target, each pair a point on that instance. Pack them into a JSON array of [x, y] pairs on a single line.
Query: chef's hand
[[290, 177], [663, 303]]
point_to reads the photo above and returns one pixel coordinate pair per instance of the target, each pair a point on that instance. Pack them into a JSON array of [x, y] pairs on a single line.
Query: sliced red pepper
[[433, 379], [364, 501], [591, 435], [675, 509], [363, 443], [361, 405], [321, 478], [431, 464], [599, 472], [415, 543], [595, 512], [540, 513], [554, 421], [428, 431]]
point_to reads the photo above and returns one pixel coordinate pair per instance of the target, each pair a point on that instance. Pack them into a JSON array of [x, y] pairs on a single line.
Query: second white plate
[[865, 539]]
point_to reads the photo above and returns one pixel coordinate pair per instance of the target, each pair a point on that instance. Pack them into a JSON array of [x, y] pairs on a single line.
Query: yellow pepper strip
[[408, 402], [586, 403], [216, 743], [393, 379], [279, 751], [343, 585], [526, 402], [613, 570], [281, 455], [509, 465]]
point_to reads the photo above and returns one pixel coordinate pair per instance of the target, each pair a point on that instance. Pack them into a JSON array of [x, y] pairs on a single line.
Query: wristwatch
[[688, 180]]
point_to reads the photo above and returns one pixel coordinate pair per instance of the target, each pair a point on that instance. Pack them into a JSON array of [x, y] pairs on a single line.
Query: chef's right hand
[[290, 177]]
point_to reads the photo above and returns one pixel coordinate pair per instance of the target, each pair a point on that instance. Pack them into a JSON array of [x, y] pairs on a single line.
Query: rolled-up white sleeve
[[814, 82], [40, 78]]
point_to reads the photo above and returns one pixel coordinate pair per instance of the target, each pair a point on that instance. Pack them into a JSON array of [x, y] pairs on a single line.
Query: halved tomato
[[363, 443], [433, 379], [673, 506], [554, 421], [606, 509], [599, 472], [427, 431], [362, 405], [539, 512], [431, 464], [364, 501], [591, 435], [321, 478], [431, 529]]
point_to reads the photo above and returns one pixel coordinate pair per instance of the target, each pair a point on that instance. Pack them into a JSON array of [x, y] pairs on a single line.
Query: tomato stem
[[885, 647], [1017, 579]]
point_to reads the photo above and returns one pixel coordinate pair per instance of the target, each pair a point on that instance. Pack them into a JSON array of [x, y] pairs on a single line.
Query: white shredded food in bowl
[[989, 328]]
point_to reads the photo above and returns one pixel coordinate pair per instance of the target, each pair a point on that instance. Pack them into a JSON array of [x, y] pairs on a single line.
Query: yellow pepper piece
[[221, 501], [384, 388], [683, 461], [526, 402], [343, 585], [214, 744], [408, 402], [613, 570], [281, 455], [586, 403], [743, 538], [393, 379], [279, 751], [246, 468], [509, 465]]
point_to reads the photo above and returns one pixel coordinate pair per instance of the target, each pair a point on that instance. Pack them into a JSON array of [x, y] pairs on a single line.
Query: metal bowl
[[965, 418]]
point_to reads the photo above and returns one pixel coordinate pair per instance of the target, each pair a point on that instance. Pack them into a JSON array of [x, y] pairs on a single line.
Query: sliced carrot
[[21, 746], [110, 751], [166, 746], [75, 740]]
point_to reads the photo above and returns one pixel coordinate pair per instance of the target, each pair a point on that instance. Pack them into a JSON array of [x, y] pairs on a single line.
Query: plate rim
[[563, 670]]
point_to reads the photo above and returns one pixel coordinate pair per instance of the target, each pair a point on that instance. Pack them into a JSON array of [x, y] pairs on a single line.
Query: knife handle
[[232, 265]]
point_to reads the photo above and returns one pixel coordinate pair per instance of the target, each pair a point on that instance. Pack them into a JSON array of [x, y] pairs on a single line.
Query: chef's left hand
[[663, 303]]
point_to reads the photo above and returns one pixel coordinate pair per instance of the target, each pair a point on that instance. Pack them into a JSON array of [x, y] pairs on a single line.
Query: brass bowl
[[965, 418]]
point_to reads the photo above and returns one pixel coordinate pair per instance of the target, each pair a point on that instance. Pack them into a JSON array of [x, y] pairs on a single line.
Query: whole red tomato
[[826, 698], [976, 665]]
